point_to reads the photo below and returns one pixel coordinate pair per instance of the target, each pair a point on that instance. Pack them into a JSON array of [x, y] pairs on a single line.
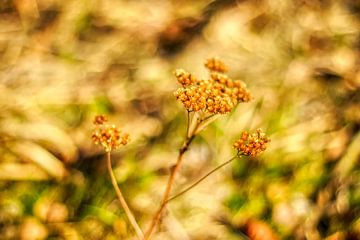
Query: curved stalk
[[121, 198]]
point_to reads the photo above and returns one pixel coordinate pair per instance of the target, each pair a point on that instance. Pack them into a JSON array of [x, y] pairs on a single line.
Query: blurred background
[[63, 62]]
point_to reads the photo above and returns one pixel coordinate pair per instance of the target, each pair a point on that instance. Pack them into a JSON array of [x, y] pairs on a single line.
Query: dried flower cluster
[[109, 136], [218, 94], [251, 144]]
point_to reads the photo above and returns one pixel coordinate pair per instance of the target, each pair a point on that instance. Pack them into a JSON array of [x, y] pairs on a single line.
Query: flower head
[[109, 136], [252, 144], [217, 95]]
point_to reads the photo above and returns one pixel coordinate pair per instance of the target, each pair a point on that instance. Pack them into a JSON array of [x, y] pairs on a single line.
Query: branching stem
[[157, 217], [191, 133]]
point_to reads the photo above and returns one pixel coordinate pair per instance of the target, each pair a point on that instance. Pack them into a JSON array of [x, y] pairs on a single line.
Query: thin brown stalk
[[121, 198], [157, 217], [201, 179], [191, 133]]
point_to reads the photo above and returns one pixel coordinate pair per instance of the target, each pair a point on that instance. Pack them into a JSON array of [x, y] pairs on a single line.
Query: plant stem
[[201, 179], [121, 198], [157, 217], [191, 132], [188, 124]]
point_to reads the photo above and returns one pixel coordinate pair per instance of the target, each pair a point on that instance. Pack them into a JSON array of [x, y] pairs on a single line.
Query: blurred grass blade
[[51, 136], [349, 160], [22, 172], [41, 157]]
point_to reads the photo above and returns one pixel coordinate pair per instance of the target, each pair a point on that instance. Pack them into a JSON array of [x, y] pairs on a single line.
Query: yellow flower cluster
[[109, 136], [252, 144], [218, 94]]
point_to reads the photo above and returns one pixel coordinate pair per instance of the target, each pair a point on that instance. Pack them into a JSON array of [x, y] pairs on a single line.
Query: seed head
[[252, 144], [217, 95], [109, 136]]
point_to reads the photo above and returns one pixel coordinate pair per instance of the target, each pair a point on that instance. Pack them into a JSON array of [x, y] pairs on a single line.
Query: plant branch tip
[[108, 136], [217, 95]]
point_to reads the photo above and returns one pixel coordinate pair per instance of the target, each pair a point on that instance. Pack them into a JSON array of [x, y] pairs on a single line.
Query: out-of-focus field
[[62, 62]]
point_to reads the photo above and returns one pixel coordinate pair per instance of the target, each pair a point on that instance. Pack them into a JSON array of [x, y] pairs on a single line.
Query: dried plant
[[203, 101]]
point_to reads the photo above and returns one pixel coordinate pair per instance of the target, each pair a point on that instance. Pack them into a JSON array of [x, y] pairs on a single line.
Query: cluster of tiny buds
[[100, 119], [216, 65], [184, 78], [109, 136], [237, 88], [251, 144], [219, 94]]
